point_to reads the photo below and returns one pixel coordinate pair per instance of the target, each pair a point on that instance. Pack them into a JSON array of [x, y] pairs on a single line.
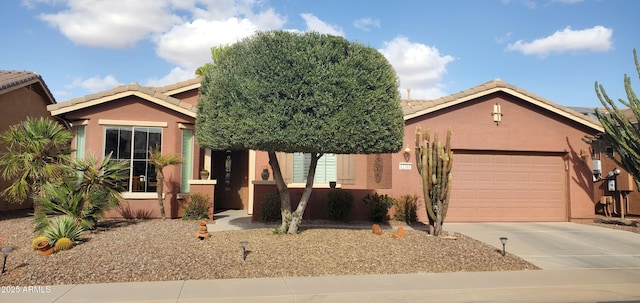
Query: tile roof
[[13, 79], [154, 94], [415, 108]]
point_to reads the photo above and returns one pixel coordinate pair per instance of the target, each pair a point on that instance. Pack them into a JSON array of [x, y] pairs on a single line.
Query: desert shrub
[[378, 206], [197, 207], [407, 209], [270, 208], [339, 205], [63, 227]]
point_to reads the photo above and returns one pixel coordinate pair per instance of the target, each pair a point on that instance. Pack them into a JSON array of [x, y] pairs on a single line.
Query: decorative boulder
[[399, 233], [376, 229]]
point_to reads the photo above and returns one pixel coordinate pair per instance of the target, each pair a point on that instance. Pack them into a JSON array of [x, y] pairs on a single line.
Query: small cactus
[[34, 243], [63, 244]]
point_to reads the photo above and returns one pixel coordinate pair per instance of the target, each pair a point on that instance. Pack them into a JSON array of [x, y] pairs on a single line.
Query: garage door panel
[[499, 187]]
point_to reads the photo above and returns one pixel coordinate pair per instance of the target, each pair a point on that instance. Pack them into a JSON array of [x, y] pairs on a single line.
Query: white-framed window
[[132, 144], [326, 170]]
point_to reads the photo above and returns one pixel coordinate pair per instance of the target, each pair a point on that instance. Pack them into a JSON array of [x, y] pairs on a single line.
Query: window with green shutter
[[187, 160]]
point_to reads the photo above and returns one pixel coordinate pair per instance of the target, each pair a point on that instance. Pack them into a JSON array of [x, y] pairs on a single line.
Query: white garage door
[[511, 187]]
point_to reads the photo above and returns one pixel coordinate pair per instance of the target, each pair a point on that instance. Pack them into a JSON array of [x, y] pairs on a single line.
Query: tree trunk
[[159, 190], [291, 220]]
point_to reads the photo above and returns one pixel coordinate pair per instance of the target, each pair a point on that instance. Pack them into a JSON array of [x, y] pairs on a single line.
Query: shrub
[[378, 206], [197, 208], [339, 205], [63, 227], [270, 208], [407, 209]]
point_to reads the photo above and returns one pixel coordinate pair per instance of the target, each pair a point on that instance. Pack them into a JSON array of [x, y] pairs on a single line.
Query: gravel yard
[[154, 250]]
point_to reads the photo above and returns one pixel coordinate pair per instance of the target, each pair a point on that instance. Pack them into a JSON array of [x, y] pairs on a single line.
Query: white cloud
[[95, 83], [188, 45], [316, 25], [111, 23], [595, 39], [366, 24], [177, 74], [420, 67]]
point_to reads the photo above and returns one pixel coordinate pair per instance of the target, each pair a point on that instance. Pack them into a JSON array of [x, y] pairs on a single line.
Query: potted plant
[[204, 174], [265, 173]]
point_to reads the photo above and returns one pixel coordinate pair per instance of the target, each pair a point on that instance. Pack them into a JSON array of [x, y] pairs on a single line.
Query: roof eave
[[78, 106], [515, 93]]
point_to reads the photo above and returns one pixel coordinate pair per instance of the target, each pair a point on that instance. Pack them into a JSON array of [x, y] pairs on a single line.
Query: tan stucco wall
[[16, 106]]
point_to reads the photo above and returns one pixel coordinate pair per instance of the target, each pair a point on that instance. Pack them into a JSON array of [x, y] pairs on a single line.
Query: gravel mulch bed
[[156, 250]]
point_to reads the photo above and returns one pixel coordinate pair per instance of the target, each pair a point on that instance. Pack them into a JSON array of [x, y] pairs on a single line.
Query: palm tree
[[37, 152], [161, 161]]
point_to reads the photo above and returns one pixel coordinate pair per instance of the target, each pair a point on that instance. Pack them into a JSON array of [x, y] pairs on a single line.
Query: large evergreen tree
[[281, 91], [619, 132]]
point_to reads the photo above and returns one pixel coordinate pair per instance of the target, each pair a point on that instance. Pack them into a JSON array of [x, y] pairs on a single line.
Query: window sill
[[140, 196], [316, 185]]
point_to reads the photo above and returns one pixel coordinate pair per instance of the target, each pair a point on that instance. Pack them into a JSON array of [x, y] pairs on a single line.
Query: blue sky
[[554, 48]]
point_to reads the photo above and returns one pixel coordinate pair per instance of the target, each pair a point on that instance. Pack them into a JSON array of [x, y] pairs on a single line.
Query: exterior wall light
[[407, 154], [504, 243], [497, 114]]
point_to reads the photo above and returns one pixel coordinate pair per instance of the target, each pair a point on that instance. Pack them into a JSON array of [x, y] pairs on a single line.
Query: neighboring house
[[22, 94], [517, 155]]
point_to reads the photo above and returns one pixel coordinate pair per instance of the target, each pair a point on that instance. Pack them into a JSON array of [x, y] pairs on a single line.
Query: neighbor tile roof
[[154, 94], [415, 108], [13, 79]]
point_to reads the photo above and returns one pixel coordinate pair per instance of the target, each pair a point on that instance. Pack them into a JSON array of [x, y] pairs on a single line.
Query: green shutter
[[325, 170], [80, 141], [187, 160]]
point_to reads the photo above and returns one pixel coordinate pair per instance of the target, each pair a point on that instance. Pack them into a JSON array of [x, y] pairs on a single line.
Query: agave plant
[[63, 227]]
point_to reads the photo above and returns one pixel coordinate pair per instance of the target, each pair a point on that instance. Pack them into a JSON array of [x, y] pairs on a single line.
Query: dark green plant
[[407, 209], [434, 162], [270, 208], [339, 205], [378, 206], [280, 91], [197, 207], [63, 227], [69, 199], [37, 152]]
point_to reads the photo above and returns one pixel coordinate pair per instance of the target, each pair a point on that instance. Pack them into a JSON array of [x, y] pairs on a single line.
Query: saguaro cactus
[[434, 163]]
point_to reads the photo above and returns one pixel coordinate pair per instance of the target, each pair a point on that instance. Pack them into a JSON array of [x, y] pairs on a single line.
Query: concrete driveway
[[559, 245]]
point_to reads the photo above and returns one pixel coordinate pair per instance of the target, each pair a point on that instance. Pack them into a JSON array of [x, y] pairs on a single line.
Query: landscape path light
[[504, 242], [244, 243], [5, 253]]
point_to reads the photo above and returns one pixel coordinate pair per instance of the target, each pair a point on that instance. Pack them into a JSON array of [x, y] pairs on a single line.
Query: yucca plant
[[63, 227]]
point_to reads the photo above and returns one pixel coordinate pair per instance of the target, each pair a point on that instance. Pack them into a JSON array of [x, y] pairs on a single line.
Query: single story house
[[22, 94], [518, 156]]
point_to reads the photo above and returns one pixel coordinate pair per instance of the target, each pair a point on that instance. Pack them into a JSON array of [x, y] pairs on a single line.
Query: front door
[[230, 169]]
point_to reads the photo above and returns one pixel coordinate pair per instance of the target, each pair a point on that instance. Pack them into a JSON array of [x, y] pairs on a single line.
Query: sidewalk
[[601, 285]]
